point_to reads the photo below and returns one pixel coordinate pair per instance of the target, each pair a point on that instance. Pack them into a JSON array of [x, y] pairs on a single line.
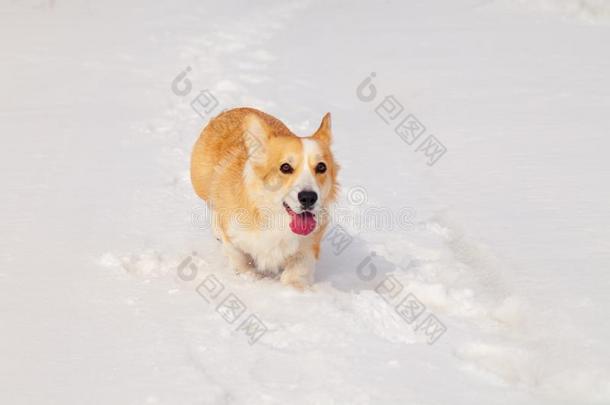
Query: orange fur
[[235, 169]]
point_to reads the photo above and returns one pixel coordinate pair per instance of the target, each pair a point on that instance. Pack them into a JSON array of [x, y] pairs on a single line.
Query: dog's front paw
[[296, 280], [246, 269]]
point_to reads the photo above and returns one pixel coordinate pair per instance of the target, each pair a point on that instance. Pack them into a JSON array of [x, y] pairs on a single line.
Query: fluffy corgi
[[269, 191]]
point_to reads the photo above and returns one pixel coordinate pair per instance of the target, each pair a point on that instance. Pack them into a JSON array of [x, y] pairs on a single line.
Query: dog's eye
[[286, 168], [320, 168]]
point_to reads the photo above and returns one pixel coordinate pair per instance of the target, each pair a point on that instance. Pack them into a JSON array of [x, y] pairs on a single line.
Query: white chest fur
[[269, 248]]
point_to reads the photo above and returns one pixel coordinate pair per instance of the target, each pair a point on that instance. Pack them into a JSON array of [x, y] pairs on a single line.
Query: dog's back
[[220, 152]]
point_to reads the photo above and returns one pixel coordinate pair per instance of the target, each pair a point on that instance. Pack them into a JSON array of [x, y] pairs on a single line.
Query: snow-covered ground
[[505, 239]]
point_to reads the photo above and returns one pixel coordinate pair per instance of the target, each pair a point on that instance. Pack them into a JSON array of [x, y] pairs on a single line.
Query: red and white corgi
[[269, 191]]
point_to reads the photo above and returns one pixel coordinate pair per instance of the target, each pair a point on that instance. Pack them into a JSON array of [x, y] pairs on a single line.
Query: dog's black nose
[[307, 199]]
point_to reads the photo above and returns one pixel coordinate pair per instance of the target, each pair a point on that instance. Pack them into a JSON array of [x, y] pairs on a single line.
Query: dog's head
[[287, 176]]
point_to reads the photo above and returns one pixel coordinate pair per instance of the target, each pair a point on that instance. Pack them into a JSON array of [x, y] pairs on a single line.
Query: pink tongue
[[302, 224]]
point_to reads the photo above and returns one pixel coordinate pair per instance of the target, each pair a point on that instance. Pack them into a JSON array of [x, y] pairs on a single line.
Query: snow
[[505, 240]]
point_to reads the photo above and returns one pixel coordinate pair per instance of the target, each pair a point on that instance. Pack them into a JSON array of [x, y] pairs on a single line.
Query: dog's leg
[[216, 226], [241, 262], [299, 270]]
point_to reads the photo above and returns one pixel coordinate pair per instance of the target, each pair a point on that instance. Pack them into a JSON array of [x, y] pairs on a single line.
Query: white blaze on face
[[306, 180]]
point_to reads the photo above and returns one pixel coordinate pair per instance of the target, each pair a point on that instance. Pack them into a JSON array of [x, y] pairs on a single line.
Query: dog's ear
[[324, 133], [256, 135]]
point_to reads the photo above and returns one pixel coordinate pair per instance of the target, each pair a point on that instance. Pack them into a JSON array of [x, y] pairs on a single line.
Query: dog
[[269, 191]]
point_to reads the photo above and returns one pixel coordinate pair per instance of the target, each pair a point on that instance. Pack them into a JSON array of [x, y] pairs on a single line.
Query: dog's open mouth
[[303, 223]]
